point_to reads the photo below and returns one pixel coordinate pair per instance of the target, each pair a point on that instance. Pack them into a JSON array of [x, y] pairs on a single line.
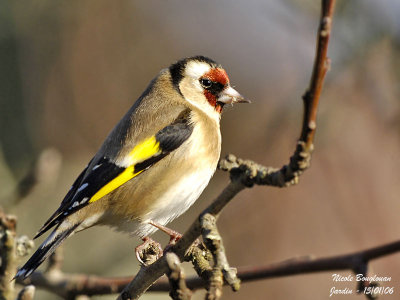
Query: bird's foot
[[174, 236], [148, 252]]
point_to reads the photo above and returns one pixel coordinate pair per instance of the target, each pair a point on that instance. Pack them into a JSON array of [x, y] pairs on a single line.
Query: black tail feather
[[49, 223], [44, 251]]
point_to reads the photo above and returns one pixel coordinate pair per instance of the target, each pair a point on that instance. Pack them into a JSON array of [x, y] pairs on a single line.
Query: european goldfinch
[[156, 161]]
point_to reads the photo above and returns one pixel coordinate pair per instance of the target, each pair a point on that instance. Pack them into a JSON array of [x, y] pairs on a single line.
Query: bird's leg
[[174, 236], [149, 251]]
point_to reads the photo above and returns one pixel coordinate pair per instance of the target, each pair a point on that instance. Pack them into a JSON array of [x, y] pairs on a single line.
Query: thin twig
[[214, 243], [176, 277]]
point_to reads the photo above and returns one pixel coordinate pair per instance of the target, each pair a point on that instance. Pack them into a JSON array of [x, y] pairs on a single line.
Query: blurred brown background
[[70, 69]]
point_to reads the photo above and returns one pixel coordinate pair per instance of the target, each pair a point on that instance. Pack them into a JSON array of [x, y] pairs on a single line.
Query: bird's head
[[204, 84]]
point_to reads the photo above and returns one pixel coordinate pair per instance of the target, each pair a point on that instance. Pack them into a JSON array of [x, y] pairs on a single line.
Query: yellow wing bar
[[125, 176], [146, 149], [141, 152]]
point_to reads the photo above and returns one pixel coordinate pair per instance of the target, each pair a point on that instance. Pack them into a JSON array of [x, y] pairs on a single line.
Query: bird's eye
[[206, 83]]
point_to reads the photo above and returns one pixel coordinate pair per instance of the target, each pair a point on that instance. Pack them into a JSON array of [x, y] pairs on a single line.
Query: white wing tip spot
[[29, 273], [82, 187], [96, 166]]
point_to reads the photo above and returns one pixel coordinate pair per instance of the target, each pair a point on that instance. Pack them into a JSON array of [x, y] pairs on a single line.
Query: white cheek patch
[[192, 90], [196, 69]]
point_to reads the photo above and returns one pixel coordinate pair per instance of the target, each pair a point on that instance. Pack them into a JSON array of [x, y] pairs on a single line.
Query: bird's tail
[[59, 234]]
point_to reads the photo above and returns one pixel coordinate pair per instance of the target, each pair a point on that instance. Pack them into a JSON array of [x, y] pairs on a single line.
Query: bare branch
[[321, 66], [201, 259], [214, 289], [178, 288], [221, 269], [353, 261], [213, 241]]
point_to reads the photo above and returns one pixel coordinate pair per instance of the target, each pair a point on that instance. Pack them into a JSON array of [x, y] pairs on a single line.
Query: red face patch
[[217, 75], [212, 99], [220, 76]]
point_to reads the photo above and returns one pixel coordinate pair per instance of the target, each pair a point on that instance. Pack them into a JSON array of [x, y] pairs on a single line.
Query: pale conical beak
[[230, 95]]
